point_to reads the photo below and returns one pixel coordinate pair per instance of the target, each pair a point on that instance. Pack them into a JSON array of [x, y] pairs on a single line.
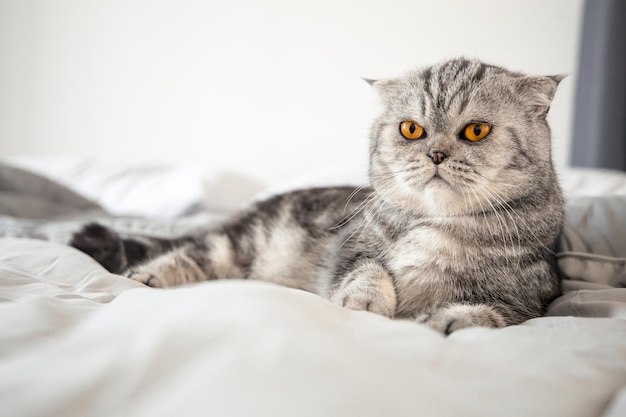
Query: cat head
[[462, 137]]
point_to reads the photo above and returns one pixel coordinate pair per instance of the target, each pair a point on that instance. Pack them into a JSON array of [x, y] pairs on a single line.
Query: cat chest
[[425, 248], [424, 265]]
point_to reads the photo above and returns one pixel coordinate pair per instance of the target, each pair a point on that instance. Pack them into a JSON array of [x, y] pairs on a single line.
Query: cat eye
[[475, 131], [411, 130]]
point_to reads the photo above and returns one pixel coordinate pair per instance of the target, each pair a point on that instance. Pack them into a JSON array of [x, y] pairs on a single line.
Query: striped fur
[[460, 240]]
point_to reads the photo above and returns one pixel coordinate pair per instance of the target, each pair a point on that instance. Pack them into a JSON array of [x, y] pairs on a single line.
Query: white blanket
[[76, 340]]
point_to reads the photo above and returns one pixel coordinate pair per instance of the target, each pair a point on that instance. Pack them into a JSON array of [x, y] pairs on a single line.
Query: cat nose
[[437, 156]]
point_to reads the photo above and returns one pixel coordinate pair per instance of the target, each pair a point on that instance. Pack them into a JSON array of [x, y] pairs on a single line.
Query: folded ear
[[385, 88], [539, 91], [370, 81]]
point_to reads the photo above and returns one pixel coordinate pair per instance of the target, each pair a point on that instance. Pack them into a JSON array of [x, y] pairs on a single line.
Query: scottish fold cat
[[457, 227]]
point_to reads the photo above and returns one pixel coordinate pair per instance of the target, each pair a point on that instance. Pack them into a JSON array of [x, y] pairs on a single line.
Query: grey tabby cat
[[457, 229]]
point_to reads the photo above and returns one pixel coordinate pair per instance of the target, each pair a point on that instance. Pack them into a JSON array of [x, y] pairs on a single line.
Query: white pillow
[[590, 182], [144, 189]]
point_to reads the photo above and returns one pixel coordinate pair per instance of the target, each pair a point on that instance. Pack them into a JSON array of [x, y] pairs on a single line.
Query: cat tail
[[117, 253]]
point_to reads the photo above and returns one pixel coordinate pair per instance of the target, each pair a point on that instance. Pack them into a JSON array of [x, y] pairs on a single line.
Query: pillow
[[145, 189], [592, 182], [27, 195], [593, 244]]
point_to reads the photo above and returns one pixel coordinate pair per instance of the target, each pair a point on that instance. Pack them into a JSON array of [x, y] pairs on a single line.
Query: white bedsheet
[[78, 341]]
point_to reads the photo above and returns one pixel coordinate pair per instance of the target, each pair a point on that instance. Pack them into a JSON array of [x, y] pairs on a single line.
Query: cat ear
[[539, 91], [386, 88], [370, 81]]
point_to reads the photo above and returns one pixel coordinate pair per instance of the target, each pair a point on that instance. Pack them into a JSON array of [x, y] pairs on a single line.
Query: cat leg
[[458, 316], [368, 286], [179, 266]]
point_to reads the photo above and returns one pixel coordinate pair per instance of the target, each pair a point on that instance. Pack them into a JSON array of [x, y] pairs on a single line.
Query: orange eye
[[411, 130], [475, 131]]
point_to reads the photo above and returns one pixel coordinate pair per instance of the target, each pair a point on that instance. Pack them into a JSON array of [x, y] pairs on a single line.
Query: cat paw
[[459, 316], [102, 244], [146, 278], [372, 291], [367, 300]]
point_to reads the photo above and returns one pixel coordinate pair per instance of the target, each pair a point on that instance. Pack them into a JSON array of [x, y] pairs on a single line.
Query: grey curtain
[[599, 135]]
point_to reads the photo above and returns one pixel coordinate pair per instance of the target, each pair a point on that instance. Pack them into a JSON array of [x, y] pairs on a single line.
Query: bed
[[76, 340]]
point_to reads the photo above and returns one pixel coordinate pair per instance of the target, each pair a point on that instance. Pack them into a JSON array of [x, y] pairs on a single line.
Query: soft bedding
[[76, 340]]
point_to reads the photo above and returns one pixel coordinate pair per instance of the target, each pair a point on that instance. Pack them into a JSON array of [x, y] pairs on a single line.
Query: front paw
[[459, 316], [146, 278], [368, 300], [369, 289]]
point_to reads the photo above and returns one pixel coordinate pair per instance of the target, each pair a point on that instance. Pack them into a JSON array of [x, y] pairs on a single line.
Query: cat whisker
[[506, 207], [346, 219], [489, 195], [365, 209]]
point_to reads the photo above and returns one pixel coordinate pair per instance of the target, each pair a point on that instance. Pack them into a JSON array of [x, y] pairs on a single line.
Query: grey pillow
[[26, 195], [593, 244]]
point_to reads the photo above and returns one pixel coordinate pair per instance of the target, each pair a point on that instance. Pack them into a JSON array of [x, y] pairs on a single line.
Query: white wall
[[267, 88]]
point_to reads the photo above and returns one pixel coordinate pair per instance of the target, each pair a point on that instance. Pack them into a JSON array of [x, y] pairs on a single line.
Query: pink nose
[[437, 156]]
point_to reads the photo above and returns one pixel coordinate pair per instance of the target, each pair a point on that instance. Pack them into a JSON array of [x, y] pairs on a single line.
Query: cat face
[[461, 137]]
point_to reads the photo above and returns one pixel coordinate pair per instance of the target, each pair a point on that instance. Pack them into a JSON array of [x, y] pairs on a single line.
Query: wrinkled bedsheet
[[76, 340]]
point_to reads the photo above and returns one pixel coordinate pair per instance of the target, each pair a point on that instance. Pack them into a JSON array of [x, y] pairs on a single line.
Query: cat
[[457, 228]]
